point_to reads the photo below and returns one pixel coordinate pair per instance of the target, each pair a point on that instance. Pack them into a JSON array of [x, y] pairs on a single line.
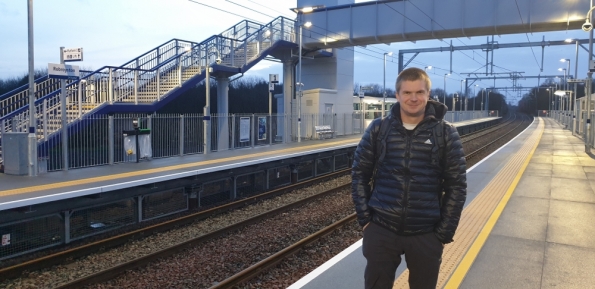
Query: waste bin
[[15, 152], [138, 140]]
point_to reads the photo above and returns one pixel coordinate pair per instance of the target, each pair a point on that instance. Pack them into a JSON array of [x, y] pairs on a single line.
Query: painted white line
[[306, 279]]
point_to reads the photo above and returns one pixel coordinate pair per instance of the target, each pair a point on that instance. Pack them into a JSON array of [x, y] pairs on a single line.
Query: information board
[[244, 129]]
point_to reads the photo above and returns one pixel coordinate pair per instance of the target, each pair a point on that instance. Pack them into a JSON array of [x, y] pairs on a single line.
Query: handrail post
[[181, 135], [245, 52], [110, 128], [252, 131], [136, 86], [282, 36], [45, 119], [232, 52], [179, 71], [158, 84], [110, 87], [233, 131], [80, 95]]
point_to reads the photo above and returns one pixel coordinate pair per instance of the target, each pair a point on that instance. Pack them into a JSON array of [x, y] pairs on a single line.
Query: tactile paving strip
[[479, 217]]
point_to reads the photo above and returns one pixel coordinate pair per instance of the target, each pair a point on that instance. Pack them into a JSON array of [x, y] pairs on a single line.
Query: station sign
[[361, 93], [274, 78], [592, 65], [271, 87], [72, 54], [63, 71]]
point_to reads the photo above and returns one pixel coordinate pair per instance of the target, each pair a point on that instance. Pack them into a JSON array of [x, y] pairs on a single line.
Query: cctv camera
[[218, 60], [587, 26]]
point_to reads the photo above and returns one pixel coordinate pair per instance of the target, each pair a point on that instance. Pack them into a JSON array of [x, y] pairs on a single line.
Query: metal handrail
[[160, 66]]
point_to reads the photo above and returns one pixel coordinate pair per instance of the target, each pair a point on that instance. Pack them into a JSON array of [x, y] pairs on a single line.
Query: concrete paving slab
[[507, 262], [524, 218], [565, 160], [571, 223], [539, 169], [579, 191], [533, 186], [569, 171], [542, 158], [568, 267]]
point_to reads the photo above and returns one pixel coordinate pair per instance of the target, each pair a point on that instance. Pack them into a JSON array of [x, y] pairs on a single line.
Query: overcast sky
[[113, 32]]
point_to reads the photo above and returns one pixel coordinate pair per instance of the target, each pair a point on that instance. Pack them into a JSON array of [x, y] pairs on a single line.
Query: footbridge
[[153, 79]]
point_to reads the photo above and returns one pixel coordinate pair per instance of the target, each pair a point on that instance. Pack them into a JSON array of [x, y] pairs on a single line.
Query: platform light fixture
[[384, 83], [474, 95], [300, 22], [587, 27], [444, 98], [463, 96]]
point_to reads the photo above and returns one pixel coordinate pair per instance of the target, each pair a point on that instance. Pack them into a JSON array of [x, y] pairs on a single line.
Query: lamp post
[[427, 68], [474, 95], [31, 137], [462, 96], [384, 83], [566, 69], [444, 98], [300, 12], [564, 87], [482, 96], [549, 100], [488, 101], [300, 84]]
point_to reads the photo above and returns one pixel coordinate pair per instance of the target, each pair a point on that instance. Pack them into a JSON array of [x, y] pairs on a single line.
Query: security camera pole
[[32, 139], [207, 113], [589, 80]]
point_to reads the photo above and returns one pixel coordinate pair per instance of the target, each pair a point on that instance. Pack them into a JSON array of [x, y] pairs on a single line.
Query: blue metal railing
[[152, 75]]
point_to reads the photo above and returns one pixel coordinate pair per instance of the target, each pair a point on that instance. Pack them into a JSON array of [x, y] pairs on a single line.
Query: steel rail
[[274, 259], [278, 257], [14, 271], [111, 242], [487, 130], [113, 272], [484, 147]]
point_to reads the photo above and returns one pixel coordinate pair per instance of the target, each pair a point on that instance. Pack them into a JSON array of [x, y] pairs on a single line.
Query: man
[[408, 203]]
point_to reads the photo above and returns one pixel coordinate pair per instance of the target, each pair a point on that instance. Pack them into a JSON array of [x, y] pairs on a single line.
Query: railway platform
[[19, 191], [527, 222], [60, 207]]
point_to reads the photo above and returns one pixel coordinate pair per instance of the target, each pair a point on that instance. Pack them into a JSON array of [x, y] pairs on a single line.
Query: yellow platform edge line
[[461, 271], [91, 180]]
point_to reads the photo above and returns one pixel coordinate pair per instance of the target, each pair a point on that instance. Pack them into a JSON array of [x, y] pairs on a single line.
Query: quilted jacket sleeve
[[361, 173], [454, 185]]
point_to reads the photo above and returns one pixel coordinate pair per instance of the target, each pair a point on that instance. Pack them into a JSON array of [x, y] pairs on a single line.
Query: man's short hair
[[413, 74]]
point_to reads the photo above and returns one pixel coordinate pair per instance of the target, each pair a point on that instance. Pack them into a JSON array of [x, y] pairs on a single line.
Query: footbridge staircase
[[147, 82]]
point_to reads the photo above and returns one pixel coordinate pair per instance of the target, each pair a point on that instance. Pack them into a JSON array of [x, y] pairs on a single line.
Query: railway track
[[110, 273], [93, 247], [275, 259]]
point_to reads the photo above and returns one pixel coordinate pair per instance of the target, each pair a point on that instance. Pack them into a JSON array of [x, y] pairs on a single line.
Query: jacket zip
[[407, 182]]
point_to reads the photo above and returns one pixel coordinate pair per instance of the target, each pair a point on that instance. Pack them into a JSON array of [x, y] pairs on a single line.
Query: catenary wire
[[326, 35]]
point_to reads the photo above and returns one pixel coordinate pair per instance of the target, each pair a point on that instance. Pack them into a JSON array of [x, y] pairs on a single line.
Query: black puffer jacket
[[407, 189]]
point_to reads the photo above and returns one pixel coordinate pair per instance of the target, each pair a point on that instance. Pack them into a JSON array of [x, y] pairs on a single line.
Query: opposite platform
[[20, 191]]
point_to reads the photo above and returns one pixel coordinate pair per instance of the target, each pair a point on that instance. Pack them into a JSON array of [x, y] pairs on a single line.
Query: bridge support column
[[288, 89], [223, 113]]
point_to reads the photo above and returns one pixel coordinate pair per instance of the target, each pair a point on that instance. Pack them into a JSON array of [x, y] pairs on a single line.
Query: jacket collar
[[434, 110]]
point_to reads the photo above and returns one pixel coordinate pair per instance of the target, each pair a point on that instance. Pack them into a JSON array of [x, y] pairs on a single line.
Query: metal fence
[[100, 139]]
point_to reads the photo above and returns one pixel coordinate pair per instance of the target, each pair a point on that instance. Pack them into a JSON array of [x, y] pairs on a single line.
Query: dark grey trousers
[[383, 249]]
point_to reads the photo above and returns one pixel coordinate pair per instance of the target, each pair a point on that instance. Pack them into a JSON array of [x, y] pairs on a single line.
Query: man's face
[[413, 97]]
